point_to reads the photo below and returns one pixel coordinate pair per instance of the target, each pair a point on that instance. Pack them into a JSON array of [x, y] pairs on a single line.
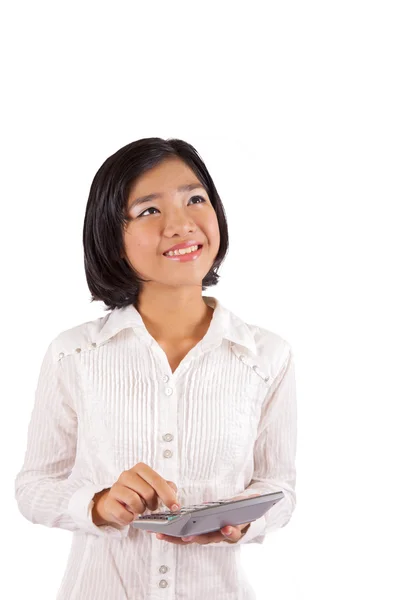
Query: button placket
[[167, 463]]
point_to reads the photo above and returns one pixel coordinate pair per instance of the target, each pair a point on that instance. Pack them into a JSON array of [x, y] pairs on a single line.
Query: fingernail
[[175, 507], [188, 539], [229, 531]]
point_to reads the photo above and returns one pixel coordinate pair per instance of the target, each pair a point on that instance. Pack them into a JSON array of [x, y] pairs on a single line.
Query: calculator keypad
[[168, 515]]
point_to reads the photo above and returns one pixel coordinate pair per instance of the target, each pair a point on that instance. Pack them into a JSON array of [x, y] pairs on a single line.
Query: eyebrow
[[183, 188]]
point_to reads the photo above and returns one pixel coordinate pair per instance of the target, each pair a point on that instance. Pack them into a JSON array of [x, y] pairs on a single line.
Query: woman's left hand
[[207, 538]]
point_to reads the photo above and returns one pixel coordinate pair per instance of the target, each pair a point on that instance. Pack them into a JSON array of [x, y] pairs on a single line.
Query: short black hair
[[110, 278]]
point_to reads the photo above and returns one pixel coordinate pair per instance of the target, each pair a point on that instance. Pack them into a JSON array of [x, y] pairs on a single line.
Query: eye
[[153, 208]]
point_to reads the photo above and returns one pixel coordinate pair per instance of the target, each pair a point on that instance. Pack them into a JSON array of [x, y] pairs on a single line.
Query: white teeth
[[182, 251]]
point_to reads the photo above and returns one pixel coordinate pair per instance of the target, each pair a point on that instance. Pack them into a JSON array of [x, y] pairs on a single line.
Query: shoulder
[[77, 339], [272, 350]]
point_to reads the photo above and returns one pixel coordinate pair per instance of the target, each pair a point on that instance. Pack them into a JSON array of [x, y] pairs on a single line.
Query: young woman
[[169, 398]]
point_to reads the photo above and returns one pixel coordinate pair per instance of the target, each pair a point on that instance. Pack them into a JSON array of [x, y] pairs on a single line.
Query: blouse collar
[[224, 325]]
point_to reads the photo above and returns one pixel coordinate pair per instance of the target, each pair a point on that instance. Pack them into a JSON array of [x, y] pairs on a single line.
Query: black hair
[[110, 278]]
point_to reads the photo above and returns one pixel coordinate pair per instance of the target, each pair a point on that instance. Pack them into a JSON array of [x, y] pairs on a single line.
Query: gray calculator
[[210, 516]]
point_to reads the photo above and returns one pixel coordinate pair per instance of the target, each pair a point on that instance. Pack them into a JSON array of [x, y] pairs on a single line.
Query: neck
[[176, 317]]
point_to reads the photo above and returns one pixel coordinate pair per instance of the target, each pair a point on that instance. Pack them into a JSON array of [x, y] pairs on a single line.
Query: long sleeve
[[43, 491], [274, 455]]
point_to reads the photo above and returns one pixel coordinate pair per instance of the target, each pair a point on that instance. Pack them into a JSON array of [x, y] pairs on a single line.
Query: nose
[[179, 223]]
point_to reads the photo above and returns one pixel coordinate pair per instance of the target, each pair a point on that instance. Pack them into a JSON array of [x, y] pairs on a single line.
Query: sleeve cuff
[[80, 509]]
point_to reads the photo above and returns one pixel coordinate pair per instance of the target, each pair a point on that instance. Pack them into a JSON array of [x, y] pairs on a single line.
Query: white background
[[294, 107]]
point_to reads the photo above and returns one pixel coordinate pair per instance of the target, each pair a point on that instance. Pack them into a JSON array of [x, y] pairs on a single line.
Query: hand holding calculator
[[141, 487], [211, 516]]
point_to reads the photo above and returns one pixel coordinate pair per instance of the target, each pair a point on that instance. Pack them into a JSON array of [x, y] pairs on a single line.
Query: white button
[[165, 378], [167, 453], [163, 569], [77, 349], [93, 344], [61, 355], [168, 437], [163, 583], [168, 391], [260, 373]]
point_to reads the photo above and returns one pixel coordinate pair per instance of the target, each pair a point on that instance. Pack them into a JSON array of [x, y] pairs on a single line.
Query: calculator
[[209, 516]]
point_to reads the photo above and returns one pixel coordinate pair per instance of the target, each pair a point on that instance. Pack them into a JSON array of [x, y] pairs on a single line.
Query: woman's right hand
[[135, 490]]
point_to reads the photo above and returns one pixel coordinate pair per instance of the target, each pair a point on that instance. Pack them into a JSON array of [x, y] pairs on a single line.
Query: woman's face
[[173, 217]]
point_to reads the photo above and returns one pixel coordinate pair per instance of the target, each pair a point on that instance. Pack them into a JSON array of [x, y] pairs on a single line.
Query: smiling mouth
[[187, 256], [199, 247]]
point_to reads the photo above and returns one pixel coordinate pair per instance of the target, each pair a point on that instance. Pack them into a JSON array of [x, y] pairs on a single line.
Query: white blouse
[[222, 425]]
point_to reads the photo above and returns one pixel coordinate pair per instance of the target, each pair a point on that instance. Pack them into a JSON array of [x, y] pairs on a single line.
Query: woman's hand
[[135, 490], [214, 536], [207, 538]]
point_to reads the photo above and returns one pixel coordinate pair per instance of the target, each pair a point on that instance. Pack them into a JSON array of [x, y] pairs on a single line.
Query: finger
[[231, 533], [173, 485], [132, 490], [205, 538], [244, 497], [158, 483]]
